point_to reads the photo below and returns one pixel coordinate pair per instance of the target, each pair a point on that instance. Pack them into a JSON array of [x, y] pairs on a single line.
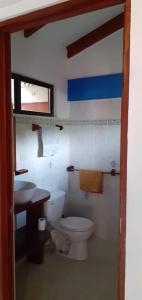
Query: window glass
[[35, 98], [30, 96]]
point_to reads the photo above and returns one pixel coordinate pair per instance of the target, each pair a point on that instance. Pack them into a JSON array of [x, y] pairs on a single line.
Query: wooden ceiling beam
[[29, 32], [96, 35], [61, 11]]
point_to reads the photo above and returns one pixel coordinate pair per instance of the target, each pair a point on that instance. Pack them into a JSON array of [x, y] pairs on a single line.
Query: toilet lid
[[76, 223]]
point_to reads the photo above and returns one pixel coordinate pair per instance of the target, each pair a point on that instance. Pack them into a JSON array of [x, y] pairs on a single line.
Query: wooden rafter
[[29, 32], [61, 11], [96, 35]]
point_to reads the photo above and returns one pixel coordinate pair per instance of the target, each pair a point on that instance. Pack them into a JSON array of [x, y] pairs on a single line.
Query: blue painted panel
[[98, 87]]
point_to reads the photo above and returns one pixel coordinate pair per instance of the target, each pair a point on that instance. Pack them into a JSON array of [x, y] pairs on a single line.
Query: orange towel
[[91, 181]]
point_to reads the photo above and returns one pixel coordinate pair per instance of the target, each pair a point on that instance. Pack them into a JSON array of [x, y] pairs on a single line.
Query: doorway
[[6, 132]]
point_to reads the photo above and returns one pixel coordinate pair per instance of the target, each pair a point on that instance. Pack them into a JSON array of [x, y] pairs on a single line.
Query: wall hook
[[36, 127], [60, 127]]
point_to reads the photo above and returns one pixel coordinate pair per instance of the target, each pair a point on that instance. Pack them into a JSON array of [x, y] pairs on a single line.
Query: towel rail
[[113, 172]]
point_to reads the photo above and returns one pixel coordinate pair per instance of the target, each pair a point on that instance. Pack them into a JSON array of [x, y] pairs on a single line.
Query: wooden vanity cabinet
[[29, 241]]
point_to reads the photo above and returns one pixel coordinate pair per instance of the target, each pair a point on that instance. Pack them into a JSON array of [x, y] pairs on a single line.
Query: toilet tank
[[54, 206]]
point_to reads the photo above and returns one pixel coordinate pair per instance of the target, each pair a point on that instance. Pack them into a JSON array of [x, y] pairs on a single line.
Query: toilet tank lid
[[57, 194]]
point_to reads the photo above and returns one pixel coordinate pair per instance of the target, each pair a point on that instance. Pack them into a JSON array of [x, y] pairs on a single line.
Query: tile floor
[[63, 279]]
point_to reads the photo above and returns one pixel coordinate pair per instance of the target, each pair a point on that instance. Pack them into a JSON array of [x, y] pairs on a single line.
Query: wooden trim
[[36, 127], [20, 172], [14, 143], [123, 158], [96, 35], [55, 13], [37, 18], [6, 174], [29, 32], [31, 80]]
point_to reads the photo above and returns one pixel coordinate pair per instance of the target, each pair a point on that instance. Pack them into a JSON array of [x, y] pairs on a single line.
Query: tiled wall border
[[53, 121]]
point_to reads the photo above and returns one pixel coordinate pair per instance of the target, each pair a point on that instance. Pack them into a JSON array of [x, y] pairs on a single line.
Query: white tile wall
[[96, 109], [95, 147], [103, 209], [86, 146], [47, 172]]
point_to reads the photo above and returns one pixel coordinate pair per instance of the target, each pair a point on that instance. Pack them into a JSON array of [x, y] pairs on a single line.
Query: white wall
[[134, 182], [95, 146], [14, 8], [134, 241], [98, 109], [102, 209], [38, 58], [47, 172], [84, 146], [103, 58], [43, 57]]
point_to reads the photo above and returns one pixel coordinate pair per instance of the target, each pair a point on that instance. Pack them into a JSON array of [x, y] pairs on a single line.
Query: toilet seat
[[76, 224]]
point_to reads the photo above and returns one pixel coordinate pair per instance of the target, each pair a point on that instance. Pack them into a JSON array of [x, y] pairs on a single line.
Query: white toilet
[[76, 230]]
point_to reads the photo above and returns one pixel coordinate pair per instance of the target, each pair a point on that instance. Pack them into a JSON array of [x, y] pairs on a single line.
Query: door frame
[[6, 155]]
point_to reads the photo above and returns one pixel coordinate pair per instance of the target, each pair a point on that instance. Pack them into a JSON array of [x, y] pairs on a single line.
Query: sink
[[23, 191]]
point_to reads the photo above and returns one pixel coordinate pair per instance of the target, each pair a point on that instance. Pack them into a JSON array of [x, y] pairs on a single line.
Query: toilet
[[76, 230]]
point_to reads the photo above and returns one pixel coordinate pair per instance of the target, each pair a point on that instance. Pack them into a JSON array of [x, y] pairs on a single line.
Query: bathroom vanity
[[29, 242]]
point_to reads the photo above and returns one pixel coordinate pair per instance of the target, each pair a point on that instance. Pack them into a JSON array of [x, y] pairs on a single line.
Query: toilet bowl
[[75, 230], [78, 230]]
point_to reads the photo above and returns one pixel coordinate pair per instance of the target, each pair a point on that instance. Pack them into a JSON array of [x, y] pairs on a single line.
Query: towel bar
[[112, 172]]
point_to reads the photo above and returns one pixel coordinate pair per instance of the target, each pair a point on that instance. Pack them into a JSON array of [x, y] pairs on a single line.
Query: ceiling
[[68, 30], [4, 3]]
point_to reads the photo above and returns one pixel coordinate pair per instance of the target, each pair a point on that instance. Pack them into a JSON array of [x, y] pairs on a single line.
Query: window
[[30, 96]]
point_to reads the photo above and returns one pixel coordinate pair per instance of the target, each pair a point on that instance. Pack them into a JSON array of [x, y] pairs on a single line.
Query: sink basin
[[23, 191]]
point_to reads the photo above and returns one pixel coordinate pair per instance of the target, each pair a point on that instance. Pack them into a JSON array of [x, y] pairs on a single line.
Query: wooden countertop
[[39, 197]]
